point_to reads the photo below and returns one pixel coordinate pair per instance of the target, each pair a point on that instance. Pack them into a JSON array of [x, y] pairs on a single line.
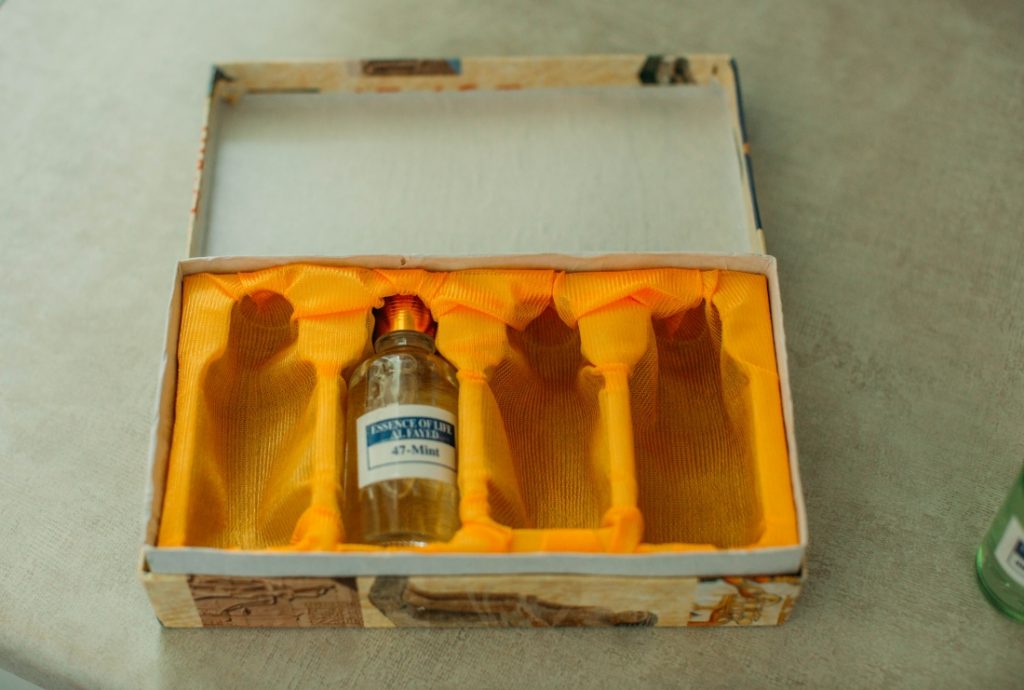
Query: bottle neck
[[396, 340]]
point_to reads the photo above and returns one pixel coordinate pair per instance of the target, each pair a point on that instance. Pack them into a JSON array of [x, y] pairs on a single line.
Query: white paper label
[[406, 442], [1010, 551]]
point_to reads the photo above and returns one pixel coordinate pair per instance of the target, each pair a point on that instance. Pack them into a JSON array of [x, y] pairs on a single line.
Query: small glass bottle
[[1000, 559], [400, 465]]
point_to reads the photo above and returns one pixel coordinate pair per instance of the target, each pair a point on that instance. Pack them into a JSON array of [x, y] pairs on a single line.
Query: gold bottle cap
[[404, 313]]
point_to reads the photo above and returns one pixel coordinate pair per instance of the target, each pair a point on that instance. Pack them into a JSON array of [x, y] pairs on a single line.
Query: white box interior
[[595, 169]]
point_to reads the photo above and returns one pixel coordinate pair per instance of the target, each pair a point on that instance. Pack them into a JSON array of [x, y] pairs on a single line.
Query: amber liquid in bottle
[[400, 480]]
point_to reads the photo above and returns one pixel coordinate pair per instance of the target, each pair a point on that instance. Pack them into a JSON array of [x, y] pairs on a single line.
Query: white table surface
[[888, 147]]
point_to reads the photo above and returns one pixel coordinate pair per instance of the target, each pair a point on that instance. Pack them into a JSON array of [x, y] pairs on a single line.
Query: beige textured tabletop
[[888, 143]]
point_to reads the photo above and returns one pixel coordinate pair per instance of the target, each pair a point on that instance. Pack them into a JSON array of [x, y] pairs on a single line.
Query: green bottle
[[1000, 559]]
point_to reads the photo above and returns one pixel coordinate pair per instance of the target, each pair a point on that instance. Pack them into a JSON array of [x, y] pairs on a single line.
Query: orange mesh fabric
[[258, 395], [254, 451], [544, 379], [605, 412], [475, 311], [696, 468]]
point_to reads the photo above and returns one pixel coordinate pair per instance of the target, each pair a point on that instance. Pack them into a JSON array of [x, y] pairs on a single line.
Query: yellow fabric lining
[[619, 412]]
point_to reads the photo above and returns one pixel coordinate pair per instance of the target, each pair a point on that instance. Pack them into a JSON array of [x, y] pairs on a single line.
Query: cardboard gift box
[[625, 429]]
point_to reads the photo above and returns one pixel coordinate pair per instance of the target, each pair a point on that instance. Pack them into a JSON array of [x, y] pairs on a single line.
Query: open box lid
[[475, 156]]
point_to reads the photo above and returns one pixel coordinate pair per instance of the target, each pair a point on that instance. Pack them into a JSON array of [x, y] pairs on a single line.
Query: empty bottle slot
[[548, 402], [250, 483], [692, 424]]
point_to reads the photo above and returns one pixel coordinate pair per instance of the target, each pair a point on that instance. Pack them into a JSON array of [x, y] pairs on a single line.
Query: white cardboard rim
[[733, 562]]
